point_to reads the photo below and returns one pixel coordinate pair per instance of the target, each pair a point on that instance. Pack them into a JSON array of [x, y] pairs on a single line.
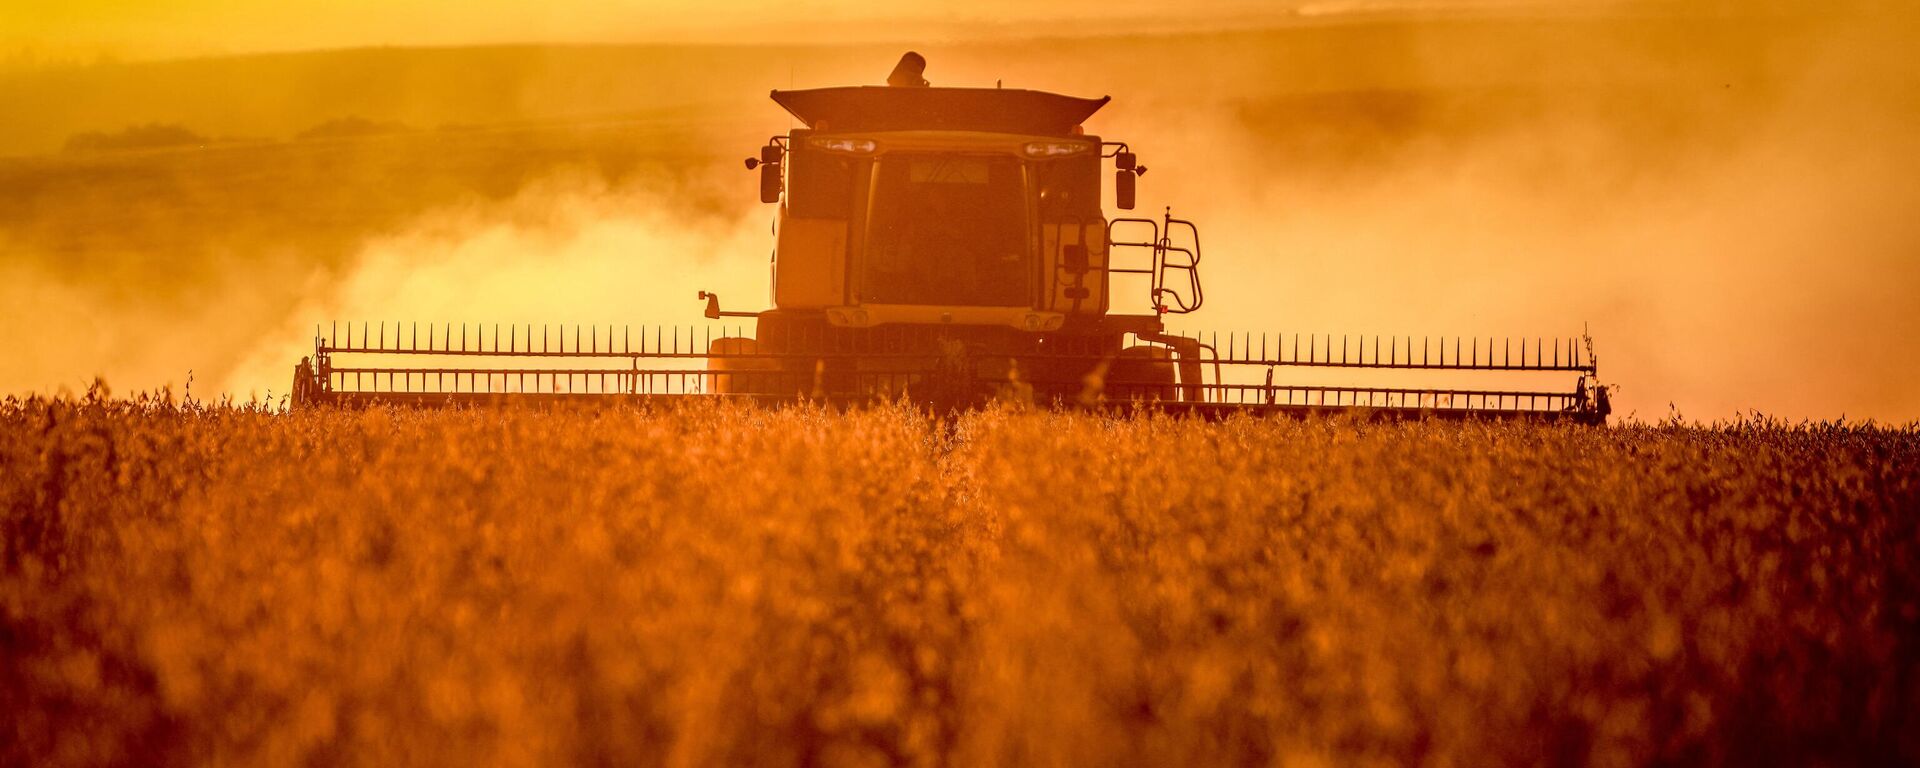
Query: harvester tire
[[731, 375], [1141, 373]]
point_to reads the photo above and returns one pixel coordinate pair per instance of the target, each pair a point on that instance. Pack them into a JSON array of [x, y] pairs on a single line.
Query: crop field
[[709, 585]]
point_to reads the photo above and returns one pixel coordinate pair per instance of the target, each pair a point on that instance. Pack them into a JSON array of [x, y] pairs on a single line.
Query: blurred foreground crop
[[720, 586]]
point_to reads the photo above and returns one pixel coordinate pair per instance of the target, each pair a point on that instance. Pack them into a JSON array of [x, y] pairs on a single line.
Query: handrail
[[1165, 300]]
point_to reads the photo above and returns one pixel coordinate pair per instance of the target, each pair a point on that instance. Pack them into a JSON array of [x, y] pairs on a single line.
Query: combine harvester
[[947, 246]]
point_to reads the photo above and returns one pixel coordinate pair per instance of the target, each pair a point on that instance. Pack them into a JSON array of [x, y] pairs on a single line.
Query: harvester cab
[[949, 246]]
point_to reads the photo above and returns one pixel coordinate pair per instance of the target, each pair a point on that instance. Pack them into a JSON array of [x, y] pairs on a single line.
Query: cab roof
[[887, 108]]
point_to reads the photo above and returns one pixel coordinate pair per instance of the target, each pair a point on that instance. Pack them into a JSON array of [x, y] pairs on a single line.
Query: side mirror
[[1123, 180], [770, 173], [1074, 258]]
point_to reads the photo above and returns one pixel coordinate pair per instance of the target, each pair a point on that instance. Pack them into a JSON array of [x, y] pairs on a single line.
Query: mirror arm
[[713, 307]]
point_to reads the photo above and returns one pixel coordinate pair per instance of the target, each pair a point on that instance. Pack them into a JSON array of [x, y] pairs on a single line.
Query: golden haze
[[1721, 197]]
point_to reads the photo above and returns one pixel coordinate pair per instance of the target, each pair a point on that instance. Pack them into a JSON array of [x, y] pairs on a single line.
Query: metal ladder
[[1175, 264]]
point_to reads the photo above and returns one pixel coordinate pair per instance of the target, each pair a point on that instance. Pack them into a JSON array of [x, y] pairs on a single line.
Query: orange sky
[[176, 27], [72, 29], [1739, 236]]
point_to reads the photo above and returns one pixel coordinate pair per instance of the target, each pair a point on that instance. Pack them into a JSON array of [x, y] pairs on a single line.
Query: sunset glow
[[1701, 190], [836, 383]]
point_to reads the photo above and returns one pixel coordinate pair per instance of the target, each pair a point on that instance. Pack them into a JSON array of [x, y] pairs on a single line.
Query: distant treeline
[[352, 127], [173, 135], [146, 136]]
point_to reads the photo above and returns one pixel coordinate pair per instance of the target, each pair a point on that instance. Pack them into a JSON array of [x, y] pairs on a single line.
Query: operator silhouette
[[910, 72]]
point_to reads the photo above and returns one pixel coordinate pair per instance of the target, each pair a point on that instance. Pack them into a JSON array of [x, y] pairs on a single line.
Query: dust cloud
[[571, 246], [566, 251], [1725, 202], [1722, 196]]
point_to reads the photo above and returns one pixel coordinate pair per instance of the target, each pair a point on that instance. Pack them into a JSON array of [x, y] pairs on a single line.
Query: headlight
[[1055, 148], [847, 146]]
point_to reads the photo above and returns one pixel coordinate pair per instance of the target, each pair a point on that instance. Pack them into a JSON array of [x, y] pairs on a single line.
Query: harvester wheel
[[730, 374], [1141, 373]]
